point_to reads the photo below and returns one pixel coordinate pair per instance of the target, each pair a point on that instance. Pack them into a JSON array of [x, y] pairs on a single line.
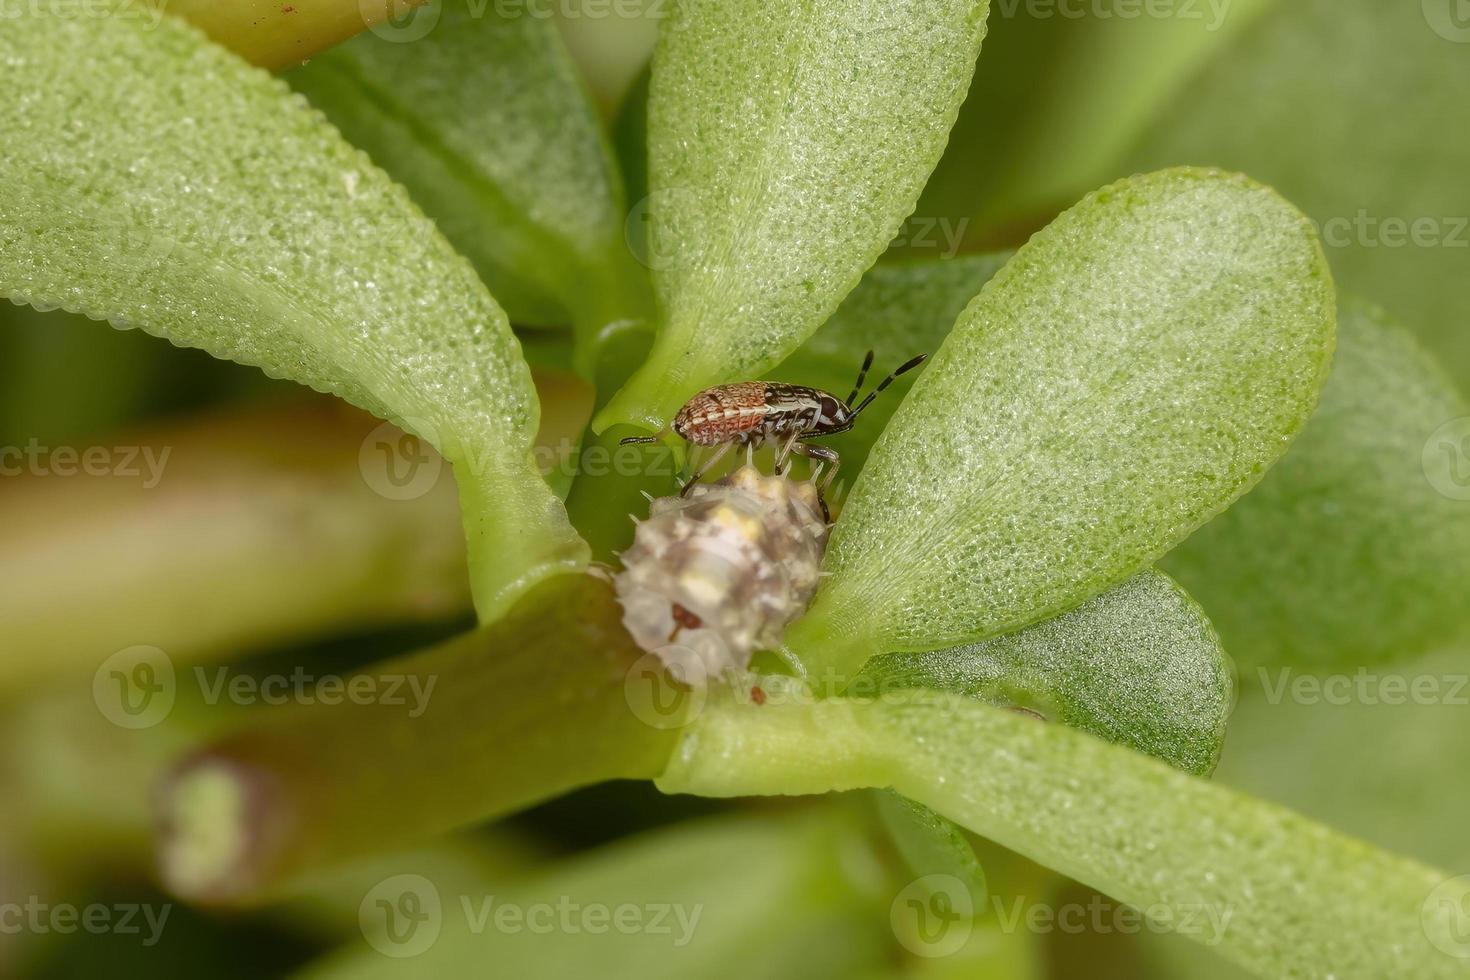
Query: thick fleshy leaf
[[486, 122], [202, 202], [787, 143], [899, 309], [930, 844], [1135, 368], [1363, 750], [1356, 546], [1355, 110], [279, 35], [772, 895], [1138, 665], [1268, 888]]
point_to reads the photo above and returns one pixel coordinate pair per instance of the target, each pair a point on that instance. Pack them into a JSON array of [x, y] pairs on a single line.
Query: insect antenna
[[862, 374], [630, 440], [903, 369]]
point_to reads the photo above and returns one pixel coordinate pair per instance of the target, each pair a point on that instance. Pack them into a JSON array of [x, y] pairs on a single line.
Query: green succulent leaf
[[486, 122], [787, 143], [898, 309], [1131, 371], [1381, 164], [771, 894], [1269, 889], [930, 844], [1355, 548], [1138, 665], [202, 202]]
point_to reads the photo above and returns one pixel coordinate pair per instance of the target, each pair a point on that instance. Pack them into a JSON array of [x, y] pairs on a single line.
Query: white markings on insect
[[713, 577]]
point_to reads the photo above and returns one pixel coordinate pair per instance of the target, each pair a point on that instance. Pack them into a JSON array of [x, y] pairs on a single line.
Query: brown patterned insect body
[[757, 411], [750, 413]]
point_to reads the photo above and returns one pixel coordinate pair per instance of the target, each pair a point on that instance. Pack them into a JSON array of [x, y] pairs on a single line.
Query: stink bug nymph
[[751, 413]]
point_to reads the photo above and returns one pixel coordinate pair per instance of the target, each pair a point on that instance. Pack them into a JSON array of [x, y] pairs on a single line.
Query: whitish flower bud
[[715, 576]]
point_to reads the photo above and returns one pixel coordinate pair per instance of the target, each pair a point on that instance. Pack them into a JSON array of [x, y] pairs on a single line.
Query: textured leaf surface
[[1138, 665], [787, 143], [1136, 367], [898, 310], [201, 201], [1354, 110], [1356, 546], [1272, 890], [486, 123]]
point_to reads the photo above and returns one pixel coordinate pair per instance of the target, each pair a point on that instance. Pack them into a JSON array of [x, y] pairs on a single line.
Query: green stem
[[1276, 892], [527, 708], [227, 533], [278, 34]]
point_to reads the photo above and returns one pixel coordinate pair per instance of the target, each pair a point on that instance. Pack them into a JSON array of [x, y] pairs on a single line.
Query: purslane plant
[[1125, 376]]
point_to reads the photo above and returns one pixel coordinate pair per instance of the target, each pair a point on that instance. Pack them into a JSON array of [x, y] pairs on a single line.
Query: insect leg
[[827, 456], [705, 467], [785, 453]]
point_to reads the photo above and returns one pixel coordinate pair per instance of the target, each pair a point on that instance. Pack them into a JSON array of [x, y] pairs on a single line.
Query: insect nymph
[[750, 413]]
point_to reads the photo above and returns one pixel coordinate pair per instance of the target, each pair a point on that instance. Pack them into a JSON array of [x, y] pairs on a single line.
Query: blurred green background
[[1355, 111]]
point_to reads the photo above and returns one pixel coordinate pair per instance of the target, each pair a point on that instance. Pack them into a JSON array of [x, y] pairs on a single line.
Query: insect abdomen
[[722, 414]]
